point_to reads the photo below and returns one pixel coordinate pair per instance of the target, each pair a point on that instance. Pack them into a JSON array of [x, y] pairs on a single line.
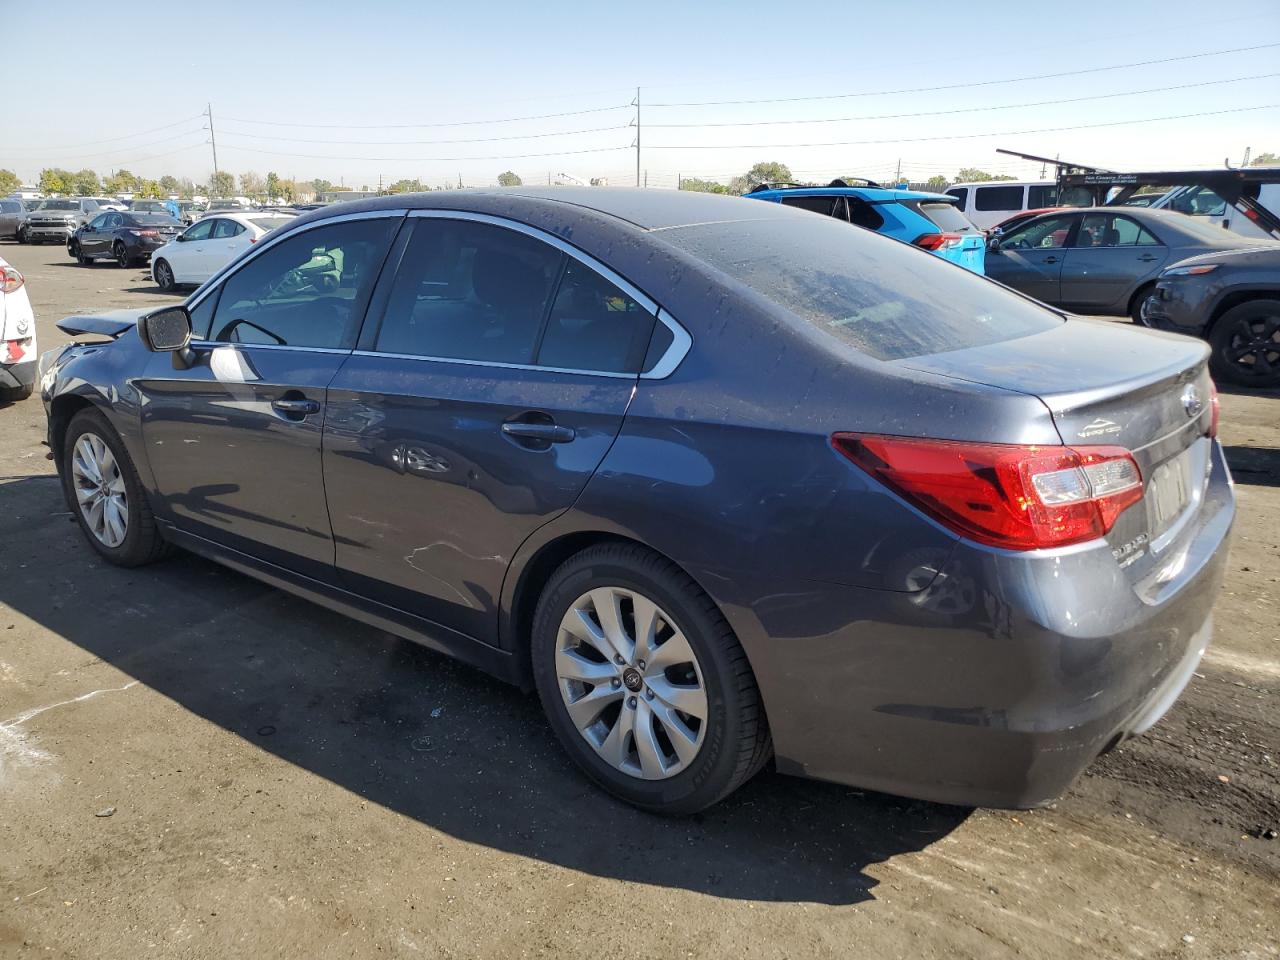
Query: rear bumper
[[1000, 682]]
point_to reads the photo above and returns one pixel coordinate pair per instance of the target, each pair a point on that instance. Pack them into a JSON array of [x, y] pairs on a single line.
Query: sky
[[441, 92]]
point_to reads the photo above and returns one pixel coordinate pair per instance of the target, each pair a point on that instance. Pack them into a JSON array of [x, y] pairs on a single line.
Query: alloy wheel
[[1254, 346], [100, 490], [631, 683], [164, 275], [122, 255]]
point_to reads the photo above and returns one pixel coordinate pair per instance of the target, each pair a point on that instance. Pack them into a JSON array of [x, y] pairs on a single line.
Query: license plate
[[1168, 492]]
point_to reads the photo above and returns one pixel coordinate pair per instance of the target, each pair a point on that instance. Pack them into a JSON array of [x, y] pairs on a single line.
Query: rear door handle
[[1148, 258], [295, 407], [549, 432]]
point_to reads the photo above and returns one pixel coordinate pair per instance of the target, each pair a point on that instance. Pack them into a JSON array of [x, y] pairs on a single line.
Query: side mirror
[[87, 227], [993, 243], [181, 238], [168, 330]]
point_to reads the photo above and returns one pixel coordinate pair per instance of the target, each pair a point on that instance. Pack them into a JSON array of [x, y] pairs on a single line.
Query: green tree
[[287, 190], [9, 182], [321, 186], [1265, 160], [53, 180], [85, 183], [272, 184], [252, 185], [222, 184], [764, 172], [170, 185], [702, 186], [937, 182], [509, 179], [974, 175], [122, 181], [406, 186], [151, 189]]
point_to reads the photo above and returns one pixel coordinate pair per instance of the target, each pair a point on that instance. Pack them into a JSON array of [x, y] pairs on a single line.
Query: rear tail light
[[10, 279], [938, 241], [1005, 495], [145, 233], [14, 350], [1215, 409]]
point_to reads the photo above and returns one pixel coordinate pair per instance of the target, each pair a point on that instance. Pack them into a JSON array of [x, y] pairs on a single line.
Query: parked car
[[12, 214], [987, 203], [1018, 219], [57, 219], [110, 203], [208, 245], [1207, 205], [128, 238], [928, 220], [721, 481], [150, 206], [1232, 299], [1102, 260], [226, 205], [17, 336]]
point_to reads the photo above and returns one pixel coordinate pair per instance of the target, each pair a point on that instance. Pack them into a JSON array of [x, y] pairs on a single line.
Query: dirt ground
[[193, 765]]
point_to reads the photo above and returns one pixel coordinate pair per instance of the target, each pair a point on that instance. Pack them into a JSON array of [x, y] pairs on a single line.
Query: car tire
[[92, 443], [14, 394], [34, 241], [1246, 345], [81, 258], [1135, 305], [163, 275], [121, 253], [731, 741]]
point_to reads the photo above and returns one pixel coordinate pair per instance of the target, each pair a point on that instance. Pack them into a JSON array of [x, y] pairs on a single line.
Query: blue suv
[[928, 220]]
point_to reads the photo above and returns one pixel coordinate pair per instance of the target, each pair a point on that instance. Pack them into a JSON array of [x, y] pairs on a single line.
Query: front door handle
[[295, 407], [1050, 259], [547, 432]]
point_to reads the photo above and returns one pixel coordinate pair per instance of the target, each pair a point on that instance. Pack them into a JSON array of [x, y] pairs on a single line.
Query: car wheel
[[1135, 305], [34, 241], [1246, 344], [164, 276], [102, 489], [121, 254], [644, 683], [78, 252]]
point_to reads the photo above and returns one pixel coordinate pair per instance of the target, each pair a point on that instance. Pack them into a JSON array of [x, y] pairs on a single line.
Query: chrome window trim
[[494, 363], [240, 344], [665, 365], [259, 249]]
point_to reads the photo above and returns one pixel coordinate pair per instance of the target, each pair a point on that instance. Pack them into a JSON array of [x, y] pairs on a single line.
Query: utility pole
[[379, 184], [637, 106], [646, 179], [897, 174], [213, 141]]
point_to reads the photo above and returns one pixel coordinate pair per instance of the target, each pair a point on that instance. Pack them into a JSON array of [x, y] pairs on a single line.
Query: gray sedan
[[1101, 259], [12, 212]]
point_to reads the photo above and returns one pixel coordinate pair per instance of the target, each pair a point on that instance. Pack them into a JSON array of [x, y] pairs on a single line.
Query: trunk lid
[[1109, 385]]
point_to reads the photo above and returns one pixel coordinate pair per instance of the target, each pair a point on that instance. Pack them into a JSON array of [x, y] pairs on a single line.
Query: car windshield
[[879, 296], [268, 223], [60, 205]]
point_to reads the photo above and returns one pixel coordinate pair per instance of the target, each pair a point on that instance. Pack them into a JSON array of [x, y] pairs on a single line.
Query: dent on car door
[[1110, 257], [234, 440], [492, 378]]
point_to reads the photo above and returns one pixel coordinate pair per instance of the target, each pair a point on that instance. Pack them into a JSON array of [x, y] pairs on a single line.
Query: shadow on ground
[[355, 706], [1256, 466]]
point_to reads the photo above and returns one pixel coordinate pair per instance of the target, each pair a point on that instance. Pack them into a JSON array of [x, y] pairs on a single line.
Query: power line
[[127, 136], [410, 143], [975, 83], [957, 136], [503, 156], [403, 126], [939, 113], [135, 146]]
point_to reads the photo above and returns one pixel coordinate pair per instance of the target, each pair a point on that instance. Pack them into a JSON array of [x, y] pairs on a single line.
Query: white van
[[989, 202]]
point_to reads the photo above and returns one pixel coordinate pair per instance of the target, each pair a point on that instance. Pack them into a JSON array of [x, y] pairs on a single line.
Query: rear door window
[[886, 300], [309, 290], [469, 291], [1108, 230], [827, 206], [863, 214], [997, 198], [594, 325], [225, 228]]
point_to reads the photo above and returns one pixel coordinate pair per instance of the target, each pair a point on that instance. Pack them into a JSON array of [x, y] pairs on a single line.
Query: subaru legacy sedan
[[726, 483]]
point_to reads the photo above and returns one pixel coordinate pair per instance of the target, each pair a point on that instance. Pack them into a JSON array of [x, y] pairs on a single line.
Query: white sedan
[[207, 245], [17, 337]]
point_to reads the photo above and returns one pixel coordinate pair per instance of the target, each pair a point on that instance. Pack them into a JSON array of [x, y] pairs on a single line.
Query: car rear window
[[883, 298], [946, 217], [153, 220]]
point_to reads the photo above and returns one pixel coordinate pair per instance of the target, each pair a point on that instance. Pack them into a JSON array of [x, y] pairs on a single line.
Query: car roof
[[1004, 183], [870, 194], [647, 209]]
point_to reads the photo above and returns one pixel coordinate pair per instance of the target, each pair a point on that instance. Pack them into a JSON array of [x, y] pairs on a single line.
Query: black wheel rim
[[120, 257], [1253, 347]]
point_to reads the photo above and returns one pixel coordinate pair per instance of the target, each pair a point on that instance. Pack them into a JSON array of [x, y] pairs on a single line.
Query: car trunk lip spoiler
[[111, 327]]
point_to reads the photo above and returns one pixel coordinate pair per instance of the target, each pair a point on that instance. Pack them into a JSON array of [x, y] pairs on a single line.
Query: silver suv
[[57, 219]]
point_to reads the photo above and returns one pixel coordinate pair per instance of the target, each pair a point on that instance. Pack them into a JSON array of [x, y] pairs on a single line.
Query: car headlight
[[1195, 271]]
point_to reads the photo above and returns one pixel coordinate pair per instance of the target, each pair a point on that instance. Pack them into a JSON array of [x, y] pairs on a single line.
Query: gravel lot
[[196, 765]]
